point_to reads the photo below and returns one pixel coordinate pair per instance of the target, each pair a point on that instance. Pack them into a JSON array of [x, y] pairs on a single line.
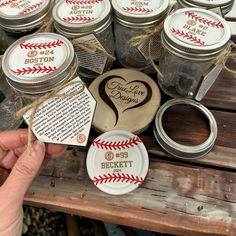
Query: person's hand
[[22, 167]]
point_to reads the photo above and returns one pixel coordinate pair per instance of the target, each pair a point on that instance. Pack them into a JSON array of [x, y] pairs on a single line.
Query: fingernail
[[39, 147]]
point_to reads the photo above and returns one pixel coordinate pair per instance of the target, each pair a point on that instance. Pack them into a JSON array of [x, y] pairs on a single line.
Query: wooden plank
[[176, 199], [222, 94]]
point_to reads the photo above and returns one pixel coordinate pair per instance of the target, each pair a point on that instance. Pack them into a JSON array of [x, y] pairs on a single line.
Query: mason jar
[[20, 17], [218, 6], [192, 39], [8, 105], [38, 63], [134, 18], [75, 19]]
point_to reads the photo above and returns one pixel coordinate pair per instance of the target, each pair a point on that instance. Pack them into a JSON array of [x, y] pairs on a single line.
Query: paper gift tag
[[65, 119], [92, 61], [117, 162]]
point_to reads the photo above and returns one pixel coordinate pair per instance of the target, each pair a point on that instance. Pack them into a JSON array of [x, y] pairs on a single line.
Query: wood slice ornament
[[126, 100]]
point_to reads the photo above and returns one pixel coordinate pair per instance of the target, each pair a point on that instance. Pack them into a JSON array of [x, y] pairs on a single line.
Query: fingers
[[55, 150], [24, 171], [10, 140]]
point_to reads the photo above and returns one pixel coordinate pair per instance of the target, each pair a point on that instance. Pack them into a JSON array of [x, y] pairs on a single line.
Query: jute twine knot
[[225, 55], [37, 101], [90, 47]]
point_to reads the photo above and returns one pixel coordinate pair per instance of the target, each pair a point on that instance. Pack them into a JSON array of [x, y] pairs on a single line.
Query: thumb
[[24, 171]]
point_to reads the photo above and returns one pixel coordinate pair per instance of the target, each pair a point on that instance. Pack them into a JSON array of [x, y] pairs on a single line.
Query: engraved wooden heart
[[121, 95]]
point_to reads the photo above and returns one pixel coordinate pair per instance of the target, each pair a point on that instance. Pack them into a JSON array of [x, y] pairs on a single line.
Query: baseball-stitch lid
[[22, 15], [194, 30], [213, 3], [38, 62], [81, 16], [140, 11], [117, 162]]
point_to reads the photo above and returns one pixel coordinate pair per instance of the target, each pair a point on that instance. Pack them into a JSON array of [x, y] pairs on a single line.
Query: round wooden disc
[[126, 100]]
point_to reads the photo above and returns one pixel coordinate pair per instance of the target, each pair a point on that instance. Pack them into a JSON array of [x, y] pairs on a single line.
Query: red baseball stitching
[[82, 2], [78, 18], [194, 16], [109, 145], [137, 9], [35, 69], [187, 36], [41, 45], [30, 8], [117, 177], [6, 3]]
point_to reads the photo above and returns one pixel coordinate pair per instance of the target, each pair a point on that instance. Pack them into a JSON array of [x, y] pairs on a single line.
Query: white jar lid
[[74, 16], [212, 3], [194, 30], [22, 15], [140, 11], [117, 162], [38, 62]]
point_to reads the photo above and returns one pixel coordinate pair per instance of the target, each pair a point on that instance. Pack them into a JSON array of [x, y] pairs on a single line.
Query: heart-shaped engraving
[[121, 95]]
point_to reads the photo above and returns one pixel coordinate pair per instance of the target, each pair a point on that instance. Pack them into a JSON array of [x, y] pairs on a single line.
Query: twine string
[[90, 47], [38, 101], [225, 55], [48, 21]]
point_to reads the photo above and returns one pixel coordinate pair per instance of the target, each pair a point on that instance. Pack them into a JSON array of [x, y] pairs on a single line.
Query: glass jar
[[75, 19], [133, 18], [37, 63], [192, 38], [224, 5], [9, 105], [20, 17]]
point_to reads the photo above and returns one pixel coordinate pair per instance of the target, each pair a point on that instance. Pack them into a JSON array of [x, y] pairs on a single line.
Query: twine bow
[[90, 47], [38, 101], [225, 55]]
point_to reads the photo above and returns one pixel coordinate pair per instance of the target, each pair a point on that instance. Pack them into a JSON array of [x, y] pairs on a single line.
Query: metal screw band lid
[[80, 17], [21, 15], [139, 12], [195, 32], [38, 62], [179, 150]]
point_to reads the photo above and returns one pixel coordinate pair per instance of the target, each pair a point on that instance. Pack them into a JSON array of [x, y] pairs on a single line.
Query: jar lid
[[38, 62], [195, 32], [212, 3], [117, 162], [78, 17], [18, 15], [129, 98], [140, 11], [179, 150]]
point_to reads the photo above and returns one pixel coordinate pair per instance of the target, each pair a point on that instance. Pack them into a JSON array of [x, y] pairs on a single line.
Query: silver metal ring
[[179, 150]]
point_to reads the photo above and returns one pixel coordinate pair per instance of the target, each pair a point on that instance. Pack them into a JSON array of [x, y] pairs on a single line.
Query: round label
[[211, 2], [141, 7], [80, 11], [37, 56], [197, 27], [117, 162], [129, 98], [20, 7]]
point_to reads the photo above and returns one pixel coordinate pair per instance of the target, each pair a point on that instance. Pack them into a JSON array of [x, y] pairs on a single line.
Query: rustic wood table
[[178, 197]]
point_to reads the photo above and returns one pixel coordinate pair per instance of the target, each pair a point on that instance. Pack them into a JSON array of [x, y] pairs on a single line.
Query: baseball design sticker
[[117, 162], [80, 11], [141, 7], [195, 27], [36, 57], [20, 7]]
